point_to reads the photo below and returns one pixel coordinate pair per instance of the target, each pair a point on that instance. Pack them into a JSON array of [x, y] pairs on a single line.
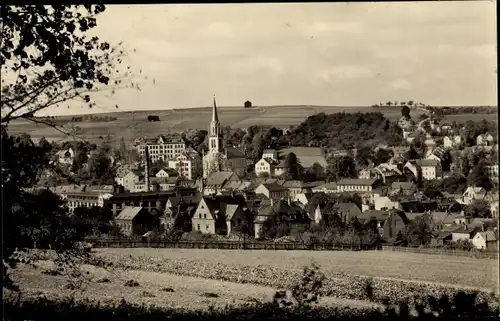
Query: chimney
[[146, 168]]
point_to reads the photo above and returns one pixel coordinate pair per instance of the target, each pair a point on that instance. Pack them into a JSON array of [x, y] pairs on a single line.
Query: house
[[82, 195], [403, 188], [163, 147], [270, 153], [473, 193], [452, 141], [166, 172], [441, 239], [399, 151], [462, 234], [263, 212], [167, 220], [66, 156], [306, 156], [156, 184], [485, 139], [188, 164], [395, 223], [215, 183], [264, 167], [346, 211], [431, 168], [135, 220], [486, 240], [494, 209], [386, 173], [219, 214], [326, 188], [303, 198], [356, 185], [314, 213], [129, 179], [385, 203], [297, 187], [272, 191]]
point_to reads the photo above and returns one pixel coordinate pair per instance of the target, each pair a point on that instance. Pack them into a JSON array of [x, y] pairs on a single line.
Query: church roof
[[215, 117]]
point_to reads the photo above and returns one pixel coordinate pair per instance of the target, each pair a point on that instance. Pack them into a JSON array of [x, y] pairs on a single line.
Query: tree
[[341, 167], [405, 112], [478, 178], [314, 173], [30, 218], [478, 208], [257, 147], [293, 167], [420, 231], [48, 59]]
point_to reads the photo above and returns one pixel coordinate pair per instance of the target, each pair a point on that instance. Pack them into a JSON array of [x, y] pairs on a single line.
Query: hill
[[133, 124]]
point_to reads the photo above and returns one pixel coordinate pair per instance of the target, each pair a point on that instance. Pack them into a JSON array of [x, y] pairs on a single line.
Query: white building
[[128, 179], [66, 156], [484, 140], [486, 240], [162, 148], [452, 141], [431, 168], [188, 165], [356, 185]]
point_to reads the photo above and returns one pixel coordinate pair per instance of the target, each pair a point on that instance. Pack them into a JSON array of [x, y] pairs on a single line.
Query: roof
[[488, 236], [218, 178], [402, 185], [293, 184], [269, 151], [377, 215], [274, 187], [331, 185], [355, 181], [427, 162], [129, 212], [442, 235], [232, 152], [347, 208], [282, 164], [230, 210]]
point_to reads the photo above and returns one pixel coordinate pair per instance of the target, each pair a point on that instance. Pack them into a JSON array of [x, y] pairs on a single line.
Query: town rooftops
[[232, 152], [218, 178], [328, 186], [488, 236], [402, 185], [374, 214], [354, 181]]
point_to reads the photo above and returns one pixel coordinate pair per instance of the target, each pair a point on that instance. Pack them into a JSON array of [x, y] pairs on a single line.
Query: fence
[[474, 254], [221, 245]]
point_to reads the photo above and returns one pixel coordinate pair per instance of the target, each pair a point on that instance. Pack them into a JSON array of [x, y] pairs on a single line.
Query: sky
[[332, 54]]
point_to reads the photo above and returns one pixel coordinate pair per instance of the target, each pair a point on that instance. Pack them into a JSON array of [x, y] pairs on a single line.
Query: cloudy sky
[[439, 53]]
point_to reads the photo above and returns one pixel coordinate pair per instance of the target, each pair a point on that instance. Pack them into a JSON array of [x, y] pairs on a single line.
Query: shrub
[[131, 283], [210, 295]]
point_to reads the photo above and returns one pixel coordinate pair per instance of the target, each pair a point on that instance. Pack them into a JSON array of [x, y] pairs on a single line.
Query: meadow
[[446, 270], [133, 124]]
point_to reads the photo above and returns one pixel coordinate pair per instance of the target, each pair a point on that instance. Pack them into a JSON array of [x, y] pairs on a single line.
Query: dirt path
[[190, 292]]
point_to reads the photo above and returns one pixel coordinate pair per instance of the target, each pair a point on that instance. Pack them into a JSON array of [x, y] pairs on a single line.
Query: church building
[[220, 158]]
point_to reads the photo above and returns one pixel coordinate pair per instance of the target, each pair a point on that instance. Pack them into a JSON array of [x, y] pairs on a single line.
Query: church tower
[[214, 132]]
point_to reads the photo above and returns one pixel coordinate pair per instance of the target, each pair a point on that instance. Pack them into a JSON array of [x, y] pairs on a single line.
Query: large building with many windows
[[162, 148]]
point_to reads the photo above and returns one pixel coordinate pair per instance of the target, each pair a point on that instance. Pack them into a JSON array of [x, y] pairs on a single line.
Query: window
[[207, 227], [199, 215], [198, 226], [204, 216]]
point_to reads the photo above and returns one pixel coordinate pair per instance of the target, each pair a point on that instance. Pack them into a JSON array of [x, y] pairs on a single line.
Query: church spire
[[215, 117]]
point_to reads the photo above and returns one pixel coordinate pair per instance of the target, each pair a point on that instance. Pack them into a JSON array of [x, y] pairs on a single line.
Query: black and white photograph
[[250, 161]]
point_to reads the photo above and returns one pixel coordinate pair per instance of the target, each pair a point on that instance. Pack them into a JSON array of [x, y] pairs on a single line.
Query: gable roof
[[347, 208], [355, 181], [129, 212], [218, 178], [282, 164], [230, 210], [232, 152], [488, 236]]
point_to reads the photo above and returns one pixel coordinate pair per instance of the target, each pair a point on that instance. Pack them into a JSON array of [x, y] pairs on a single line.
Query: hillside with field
[[133, 124]]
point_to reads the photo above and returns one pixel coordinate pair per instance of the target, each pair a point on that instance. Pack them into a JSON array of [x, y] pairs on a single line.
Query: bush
[[131, 283]]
